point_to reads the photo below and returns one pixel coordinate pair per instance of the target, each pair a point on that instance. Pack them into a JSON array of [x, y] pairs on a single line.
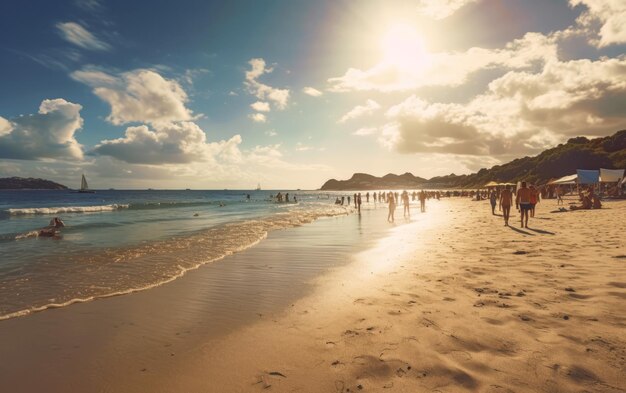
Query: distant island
[[578, 153], [22, 183]]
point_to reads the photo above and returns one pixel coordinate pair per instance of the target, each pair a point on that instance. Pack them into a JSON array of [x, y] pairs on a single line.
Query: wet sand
[[451, 302]]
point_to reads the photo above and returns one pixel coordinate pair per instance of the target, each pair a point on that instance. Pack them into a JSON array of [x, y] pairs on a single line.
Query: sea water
[[117, 242]]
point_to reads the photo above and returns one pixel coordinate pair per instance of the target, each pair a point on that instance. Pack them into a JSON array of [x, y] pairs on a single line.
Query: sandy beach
[[450, 301]]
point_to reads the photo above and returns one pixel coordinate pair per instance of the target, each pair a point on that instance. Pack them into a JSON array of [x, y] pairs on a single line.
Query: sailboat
[[258, 187], [84, 187]]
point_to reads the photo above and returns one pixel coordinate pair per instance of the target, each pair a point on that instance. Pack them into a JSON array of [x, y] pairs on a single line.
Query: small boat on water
[[84, 187], [258, 187]]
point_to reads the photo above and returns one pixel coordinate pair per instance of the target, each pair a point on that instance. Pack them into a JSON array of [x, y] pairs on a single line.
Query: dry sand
[[452, 302]]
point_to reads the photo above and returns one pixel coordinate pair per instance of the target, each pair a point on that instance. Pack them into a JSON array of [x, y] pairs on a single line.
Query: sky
[[229, 94]]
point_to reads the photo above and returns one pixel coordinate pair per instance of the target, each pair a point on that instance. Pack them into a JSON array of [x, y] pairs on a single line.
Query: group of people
[[356, 198], [526, 200], [392, 199], [280, 198], [527, 197], [589, 200]]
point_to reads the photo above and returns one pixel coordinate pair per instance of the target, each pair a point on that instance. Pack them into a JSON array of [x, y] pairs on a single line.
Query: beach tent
[[588, 176], [570, 179], [492, 184], [611, 175]]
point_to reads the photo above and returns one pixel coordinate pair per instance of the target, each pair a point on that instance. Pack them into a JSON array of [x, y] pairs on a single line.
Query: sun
[[403, 47]]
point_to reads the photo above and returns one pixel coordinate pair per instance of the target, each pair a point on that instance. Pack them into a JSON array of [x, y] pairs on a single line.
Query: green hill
[[21, 183], [578, 153]]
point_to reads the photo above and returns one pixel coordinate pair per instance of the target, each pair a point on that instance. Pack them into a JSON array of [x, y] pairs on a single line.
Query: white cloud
[[440, 9], [168, 143], [313, 92], [271, 133], [261, 106], [48, 134], [369, 108], [137, 96], [257, 117], [365, 131], [80, 36], [606, 18], [447, 68], [279, 97], [520, 113], [5, 126], [302, 147]]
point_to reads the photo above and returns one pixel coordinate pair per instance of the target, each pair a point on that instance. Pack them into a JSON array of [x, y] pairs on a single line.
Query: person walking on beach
[[348, 200], [374, 197], [506, 200], [358, 203], [355, 200], [405, 204], [534, 199], [559, 196], [523, 203], [367, 197], [422, 197], [493, 200], [392, 207]]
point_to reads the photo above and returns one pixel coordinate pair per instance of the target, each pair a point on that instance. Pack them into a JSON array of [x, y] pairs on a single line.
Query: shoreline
[[211, 245], [452, 301], [211, 301]]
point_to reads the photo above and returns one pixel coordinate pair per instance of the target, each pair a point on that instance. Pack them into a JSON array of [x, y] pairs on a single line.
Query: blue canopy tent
[[588, 176]]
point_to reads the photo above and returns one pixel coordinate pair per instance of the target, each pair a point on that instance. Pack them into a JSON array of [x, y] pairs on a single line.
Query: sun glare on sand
[[403, 47]]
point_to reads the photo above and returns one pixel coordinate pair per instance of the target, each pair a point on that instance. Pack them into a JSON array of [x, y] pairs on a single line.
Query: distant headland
[[578, 153], [22, 183]]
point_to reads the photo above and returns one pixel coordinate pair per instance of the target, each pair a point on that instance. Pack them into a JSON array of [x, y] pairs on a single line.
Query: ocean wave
[[117, 271], [66, 209]]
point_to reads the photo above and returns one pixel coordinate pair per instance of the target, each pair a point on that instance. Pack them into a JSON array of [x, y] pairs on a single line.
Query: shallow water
[[117, 242]]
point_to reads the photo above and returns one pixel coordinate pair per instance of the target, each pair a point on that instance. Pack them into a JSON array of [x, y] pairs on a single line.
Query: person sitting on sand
[[587, 204], [506, 200], [596, 202], [522, 201]]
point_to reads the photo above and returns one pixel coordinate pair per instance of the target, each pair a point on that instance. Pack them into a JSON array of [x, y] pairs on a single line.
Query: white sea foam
[[27, 235], [66, 209], [145, 265]]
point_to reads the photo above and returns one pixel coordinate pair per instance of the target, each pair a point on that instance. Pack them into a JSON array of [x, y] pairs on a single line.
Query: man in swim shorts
[[522, 201]]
